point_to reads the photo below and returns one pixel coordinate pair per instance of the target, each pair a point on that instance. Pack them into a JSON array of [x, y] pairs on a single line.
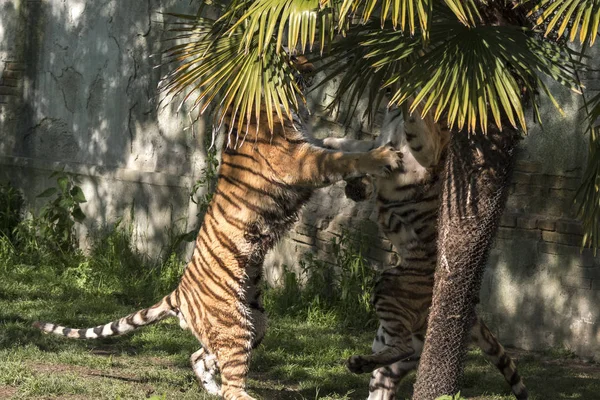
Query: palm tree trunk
[[478, 169]]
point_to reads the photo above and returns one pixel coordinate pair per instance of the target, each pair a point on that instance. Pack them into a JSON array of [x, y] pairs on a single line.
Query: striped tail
[[495, 353], [167, 307]]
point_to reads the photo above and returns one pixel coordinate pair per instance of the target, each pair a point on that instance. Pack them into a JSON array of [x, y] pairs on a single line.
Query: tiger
[[261, 186], [407, 203]]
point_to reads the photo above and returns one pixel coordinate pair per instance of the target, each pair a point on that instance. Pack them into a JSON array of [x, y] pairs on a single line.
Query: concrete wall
[[77, 90], [540, 289]]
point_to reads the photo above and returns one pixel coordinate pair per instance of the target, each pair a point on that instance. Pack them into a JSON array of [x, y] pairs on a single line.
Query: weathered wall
[[540, 289], [77, 90]]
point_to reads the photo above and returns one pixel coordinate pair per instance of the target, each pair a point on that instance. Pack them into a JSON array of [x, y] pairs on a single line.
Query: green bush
[[340, 290], [11, 209], [51, 233], [116, 267], [113, 266], [57, 218]]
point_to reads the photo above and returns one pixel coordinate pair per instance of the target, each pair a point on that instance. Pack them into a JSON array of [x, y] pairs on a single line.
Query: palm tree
[[475, 65]]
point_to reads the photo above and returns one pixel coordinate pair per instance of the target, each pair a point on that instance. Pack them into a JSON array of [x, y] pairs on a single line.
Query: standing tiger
[[261, 186], [407, 203]]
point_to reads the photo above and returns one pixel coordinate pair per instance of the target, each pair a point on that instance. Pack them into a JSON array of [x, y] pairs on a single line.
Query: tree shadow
[[88, 102], [540, 289]]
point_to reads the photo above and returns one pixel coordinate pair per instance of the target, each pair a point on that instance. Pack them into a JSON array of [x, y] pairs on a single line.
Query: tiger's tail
[[167, 307]]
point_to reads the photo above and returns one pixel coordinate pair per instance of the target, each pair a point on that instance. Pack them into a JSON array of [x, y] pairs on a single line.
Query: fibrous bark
[[478, 169]]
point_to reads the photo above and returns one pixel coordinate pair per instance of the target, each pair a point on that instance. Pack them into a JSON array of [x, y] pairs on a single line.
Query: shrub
[[57, 218], [340, 290], [11, 209], [114, 265]]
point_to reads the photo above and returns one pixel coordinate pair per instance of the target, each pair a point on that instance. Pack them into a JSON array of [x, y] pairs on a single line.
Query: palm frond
[[364, 60], [210, 66], [469, 72], [266, 20], [572, 16], [409, 15]]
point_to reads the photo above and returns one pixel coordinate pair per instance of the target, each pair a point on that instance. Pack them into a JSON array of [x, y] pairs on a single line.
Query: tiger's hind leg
[[396, 325], [226, 335], [384, 380], [233, 360], [392, 347], [205, 367], [229, 337], [494, 352]]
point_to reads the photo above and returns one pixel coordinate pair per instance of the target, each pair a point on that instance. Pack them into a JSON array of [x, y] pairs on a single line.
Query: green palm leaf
[[588, 194], [406, 13], [471, 75], [573, 16], [266, 20], [469, 72], [364, 60], [210, 65]]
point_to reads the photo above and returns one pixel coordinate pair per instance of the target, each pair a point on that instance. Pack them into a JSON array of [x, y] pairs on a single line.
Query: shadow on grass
[[39, 294], [300, 359], [307, 359]]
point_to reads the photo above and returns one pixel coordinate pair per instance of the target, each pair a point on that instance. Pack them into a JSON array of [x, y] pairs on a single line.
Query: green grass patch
[[317, 322], [301, 358]]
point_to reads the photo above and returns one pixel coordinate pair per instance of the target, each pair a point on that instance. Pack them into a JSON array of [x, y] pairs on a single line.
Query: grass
[[312, 330], [301, 358]]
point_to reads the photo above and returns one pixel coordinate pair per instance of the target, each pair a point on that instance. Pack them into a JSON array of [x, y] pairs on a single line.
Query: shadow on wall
[[540, 290], [89, 102]]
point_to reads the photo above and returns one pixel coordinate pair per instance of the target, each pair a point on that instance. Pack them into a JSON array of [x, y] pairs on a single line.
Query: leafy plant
[[59, 215], [11, 209], [206, 182], [347, 284], [340, 289], [7, 252]]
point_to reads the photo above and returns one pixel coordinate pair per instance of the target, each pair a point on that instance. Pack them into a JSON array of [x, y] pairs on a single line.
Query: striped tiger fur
[[407, 202], [261, 186]]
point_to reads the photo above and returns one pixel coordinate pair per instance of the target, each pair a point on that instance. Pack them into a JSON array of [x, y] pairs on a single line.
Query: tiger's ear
[[303, 65], [304, 71]]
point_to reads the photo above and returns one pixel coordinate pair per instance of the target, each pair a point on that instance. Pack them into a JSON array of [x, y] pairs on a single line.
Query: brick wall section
[[539, 209], [11, 81], [315, 235]]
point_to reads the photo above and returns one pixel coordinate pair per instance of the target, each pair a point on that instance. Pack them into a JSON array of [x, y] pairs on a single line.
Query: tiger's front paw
[[382, 161]]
